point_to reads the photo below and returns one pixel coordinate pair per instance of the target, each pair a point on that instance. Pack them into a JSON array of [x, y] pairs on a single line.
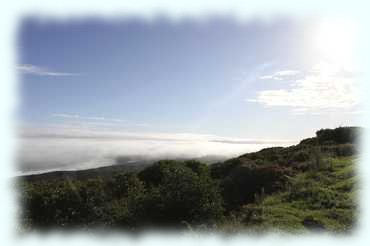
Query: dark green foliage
[[315, 196], [267, 155], [154, 174], [183, 192], [338, 135], [64, 203], [245, 182], [126, 184], [221, 170], [309, 141], [300, 156], [340, 149], [199, 168], [166, 194]]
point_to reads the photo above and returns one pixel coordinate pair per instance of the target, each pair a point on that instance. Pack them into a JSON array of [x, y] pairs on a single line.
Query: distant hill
[[102, 172]]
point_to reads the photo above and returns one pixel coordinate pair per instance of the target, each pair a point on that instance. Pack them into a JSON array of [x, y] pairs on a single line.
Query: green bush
[[244, 183], [181, 194]]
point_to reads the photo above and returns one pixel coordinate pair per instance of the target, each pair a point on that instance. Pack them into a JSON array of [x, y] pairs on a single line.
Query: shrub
[[182, 191], [245, 182]]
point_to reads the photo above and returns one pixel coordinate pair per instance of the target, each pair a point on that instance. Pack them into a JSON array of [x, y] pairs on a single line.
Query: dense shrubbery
[[340, 135], [167, 193], [63, 203], [186, 192]]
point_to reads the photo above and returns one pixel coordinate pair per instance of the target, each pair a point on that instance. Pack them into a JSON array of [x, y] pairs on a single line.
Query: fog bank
[[43, 150]]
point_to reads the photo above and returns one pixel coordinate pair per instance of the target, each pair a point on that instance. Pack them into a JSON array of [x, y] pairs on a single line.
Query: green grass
[[325, 197]]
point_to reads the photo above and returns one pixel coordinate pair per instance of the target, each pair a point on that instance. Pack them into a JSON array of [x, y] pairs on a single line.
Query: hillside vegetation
[[309, 186]]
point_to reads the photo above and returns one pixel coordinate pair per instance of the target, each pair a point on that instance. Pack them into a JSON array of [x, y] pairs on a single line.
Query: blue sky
[[252, 80]]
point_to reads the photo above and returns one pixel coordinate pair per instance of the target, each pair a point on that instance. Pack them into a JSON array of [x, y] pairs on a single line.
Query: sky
[[193, 88]]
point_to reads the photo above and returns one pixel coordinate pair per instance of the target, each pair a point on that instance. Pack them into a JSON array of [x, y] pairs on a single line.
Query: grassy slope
[[316, 199]]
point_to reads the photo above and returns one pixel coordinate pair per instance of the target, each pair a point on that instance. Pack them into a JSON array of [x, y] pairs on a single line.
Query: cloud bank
[[57, 148]]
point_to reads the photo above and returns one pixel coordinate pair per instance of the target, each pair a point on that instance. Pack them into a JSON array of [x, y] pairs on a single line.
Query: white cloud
[[41, 71], [281, 75], [74, 116], [326, 87], [92, 118], [98, 121]]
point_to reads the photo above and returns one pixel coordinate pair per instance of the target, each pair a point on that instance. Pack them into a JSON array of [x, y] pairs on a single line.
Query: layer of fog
[[43, 150]]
